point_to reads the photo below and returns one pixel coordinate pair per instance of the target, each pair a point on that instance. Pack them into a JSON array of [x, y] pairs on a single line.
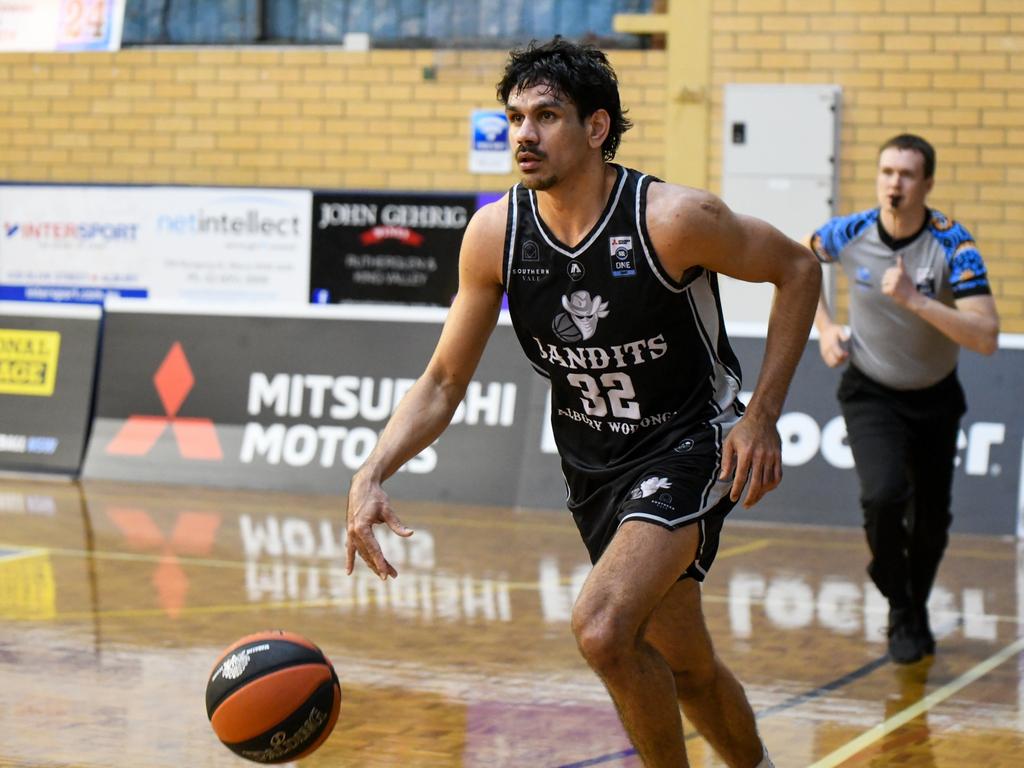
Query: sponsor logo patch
[[533, 265], [623, 262]]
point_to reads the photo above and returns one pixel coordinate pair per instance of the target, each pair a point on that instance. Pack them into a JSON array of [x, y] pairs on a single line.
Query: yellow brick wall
[[949, 70], [293, 117]]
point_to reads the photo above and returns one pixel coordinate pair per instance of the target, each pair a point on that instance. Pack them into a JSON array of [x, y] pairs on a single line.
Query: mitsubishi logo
[[196, 437]]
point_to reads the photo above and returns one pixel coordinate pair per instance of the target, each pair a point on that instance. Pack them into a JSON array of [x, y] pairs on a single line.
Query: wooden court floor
[[115, 599]]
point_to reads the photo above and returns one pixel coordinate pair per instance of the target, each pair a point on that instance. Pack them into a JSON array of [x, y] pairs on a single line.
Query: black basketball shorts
[[677, 488]]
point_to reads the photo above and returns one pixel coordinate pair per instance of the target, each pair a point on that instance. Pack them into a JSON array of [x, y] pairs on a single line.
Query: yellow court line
[[23, 555], [144, 557], [140, 557], [928, 702], [141, 613], [742, 549], [294, 604]]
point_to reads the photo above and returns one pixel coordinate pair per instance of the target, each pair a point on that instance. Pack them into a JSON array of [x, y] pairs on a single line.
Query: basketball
[[272, 697]]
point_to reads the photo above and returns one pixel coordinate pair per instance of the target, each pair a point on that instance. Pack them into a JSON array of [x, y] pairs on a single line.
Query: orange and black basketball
[[273, 697]]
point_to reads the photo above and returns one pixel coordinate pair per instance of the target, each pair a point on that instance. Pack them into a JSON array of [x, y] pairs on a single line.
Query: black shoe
[[927, 638], [906, 644]]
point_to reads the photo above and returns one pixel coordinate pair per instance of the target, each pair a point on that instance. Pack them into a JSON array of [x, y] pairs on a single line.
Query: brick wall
[[294, 117], [950, 70]]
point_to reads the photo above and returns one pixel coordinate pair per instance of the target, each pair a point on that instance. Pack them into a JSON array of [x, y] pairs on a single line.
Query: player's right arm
[[428, 407]]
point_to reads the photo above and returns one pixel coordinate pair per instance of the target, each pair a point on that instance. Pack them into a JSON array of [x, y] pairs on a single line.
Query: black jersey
[[637, 360]]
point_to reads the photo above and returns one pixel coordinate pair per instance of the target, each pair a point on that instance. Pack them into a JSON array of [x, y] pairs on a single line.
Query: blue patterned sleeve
[[829, 241], [967, 273]]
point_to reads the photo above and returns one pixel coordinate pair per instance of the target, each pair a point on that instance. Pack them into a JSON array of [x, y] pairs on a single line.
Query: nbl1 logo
[[623, 262]]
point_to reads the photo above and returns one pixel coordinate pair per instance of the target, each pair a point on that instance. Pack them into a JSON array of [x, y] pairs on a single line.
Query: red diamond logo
[[173, 379], [196, 438]]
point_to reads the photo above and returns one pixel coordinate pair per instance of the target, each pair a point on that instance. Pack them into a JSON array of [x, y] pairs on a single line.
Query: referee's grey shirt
[[890, 344]]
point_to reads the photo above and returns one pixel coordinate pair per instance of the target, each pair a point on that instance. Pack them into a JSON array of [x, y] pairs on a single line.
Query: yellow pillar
[[687, 29]]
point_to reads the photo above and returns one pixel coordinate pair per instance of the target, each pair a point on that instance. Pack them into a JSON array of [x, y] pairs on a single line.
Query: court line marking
[[23, 554], [923, 705], [156, 557], [601, 759], [327, 602], [322, 602]]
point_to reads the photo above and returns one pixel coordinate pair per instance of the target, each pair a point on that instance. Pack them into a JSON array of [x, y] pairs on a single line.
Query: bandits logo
[[579, 321], [196, 437], [649, 486]]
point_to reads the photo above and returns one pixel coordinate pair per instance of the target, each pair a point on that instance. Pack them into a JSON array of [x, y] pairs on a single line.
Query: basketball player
[[611, 283], [918, 292]]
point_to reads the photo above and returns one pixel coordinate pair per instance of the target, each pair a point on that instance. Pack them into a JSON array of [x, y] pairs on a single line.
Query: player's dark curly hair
[[916, 143], [580, 73]]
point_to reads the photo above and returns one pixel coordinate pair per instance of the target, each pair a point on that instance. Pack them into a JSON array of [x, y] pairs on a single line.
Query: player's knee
[[602, 638]]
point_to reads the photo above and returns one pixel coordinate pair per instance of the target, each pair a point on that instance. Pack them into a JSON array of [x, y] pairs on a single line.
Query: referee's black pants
[[904, 446]]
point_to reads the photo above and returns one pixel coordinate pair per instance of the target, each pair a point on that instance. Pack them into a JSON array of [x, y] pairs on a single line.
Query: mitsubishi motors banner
[[295, 400], [387, 247], [183, 244], [47, 363]]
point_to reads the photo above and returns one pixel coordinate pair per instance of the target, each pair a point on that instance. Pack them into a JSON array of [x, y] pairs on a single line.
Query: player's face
[[548, 137], [901, 185]]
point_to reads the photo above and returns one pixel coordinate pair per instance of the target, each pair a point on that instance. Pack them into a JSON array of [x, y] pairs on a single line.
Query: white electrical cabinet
[[780, 164]]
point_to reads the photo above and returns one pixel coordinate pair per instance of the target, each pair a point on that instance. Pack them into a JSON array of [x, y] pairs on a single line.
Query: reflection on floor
[[115, 600]]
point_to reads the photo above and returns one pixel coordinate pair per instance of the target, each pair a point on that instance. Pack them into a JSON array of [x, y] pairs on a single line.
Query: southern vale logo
[[196, 438]]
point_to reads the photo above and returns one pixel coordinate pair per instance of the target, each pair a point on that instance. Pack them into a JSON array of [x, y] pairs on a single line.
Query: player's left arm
[[694, 228], [973, 322]]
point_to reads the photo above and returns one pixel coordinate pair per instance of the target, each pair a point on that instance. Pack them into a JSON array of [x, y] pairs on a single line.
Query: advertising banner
[[47, 365], [186, 244], [387, 247], [294, 401], [61, 25]]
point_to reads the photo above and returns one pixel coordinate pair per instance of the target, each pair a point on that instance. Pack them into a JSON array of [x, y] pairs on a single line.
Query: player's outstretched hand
[[753, 451], [368, 505]]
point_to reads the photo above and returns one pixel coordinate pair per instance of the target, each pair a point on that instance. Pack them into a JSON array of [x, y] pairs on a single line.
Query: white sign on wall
[[61, 25], [489, 142], [185, 244]]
